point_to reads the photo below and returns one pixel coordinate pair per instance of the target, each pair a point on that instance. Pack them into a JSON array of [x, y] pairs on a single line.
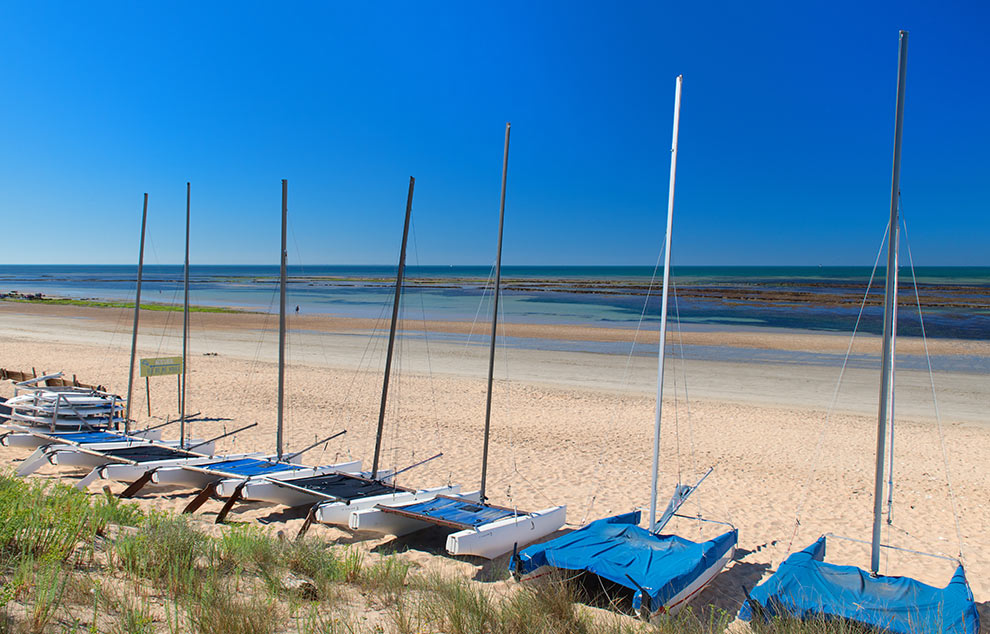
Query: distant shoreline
[[223, 319], [39, 298]]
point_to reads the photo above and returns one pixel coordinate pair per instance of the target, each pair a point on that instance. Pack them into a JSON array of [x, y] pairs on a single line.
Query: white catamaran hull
[[266, 491], [373, 519], [263, 490], [682, 598], [339, 513], [181, 476], [497, 538], [49, 454], [69, 457], [120, 472], [25, 439]]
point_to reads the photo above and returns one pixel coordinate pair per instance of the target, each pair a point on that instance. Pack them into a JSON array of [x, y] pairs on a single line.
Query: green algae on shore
[[92, 303]]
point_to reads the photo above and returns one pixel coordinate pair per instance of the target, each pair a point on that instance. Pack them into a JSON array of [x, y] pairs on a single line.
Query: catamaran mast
[[281, 322], [391, 330], [137, 311], [185, 329], [890, 299], [663, 306], [498, 281], [893, 388]]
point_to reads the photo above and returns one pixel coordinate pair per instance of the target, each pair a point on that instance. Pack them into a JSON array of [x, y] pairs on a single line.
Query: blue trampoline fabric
[[459, 511], [615, 548], [249, 466], [90, 436], [805, 586]]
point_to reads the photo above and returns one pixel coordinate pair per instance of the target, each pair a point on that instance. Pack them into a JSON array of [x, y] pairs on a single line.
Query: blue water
[[956, 299]]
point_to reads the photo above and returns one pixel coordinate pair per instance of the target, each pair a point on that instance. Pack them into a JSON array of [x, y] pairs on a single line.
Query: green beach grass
[[75, 562], [92, 303]]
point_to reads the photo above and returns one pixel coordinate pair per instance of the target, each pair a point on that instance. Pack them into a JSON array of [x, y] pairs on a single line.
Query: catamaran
[[98, 448], [60, 408], [805, 585], [333, 494], [664, 572], [479, 527], [207, 474]]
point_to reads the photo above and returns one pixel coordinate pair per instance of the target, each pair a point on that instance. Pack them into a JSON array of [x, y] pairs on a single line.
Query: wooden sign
[[161, 366]]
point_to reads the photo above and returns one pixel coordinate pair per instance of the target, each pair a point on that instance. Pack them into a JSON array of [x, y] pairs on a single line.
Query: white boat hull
[[677, 602], [339, 513], [497, 538], [372, 519], [120, 472], [681, 599], [70, 457], [180, 476], [28, 440], [263, 490]]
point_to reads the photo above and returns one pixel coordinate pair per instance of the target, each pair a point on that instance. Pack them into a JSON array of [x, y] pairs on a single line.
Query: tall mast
[[889, 300], [893, 388], [391, 329], [498, 281], [185, 330], [137, 311], [663, 306], [281, 322]]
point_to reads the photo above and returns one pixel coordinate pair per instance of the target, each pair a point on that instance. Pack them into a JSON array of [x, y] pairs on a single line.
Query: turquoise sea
[[955, 301]]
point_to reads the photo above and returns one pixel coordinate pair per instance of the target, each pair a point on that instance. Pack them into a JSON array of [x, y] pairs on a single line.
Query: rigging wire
[[593, 497], [938, 417], [426, 340], [684, 382], [481, 304], [835, 396]]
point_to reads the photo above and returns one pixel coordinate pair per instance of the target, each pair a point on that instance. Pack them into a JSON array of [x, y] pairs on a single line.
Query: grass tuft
[[164, 549], [219, 609]]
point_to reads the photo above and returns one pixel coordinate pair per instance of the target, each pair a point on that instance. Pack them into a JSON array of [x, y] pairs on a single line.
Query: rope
[[687, 405], [481, 302], [835, 395], [687, 399], [426, 340], [168, 318], [593, 497], [938, 417]]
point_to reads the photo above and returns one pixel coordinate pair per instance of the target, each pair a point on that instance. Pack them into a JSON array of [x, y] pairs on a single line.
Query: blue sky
[[785, 146]]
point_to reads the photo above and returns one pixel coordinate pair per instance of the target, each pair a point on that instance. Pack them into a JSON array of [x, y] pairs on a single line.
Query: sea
[[948, 302]]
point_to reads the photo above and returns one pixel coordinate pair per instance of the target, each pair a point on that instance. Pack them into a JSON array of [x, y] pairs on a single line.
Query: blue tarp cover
[[615, 548], [805, 586], [249, 466], [458, 511]]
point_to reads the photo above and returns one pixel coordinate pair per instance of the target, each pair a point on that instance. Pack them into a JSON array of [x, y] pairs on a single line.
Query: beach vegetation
[[74, 562], [93, 303]]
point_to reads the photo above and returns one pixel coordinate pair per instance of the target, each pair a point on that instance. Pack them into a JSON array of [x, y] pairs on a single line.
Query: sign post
[[160, 366]]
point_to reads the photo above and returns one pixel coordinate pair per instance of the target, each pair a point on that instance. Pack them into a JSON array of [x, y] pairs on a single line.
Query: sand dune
[[573, 428]]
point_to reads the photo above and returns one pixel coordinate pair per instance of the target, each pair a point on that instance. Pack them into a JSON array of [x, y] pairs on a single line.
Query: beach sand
[[570, 428]]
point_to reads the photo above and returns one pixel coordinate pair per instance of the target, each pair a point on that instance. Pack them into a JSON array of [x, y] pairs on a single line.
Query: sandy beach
[[572, 427]]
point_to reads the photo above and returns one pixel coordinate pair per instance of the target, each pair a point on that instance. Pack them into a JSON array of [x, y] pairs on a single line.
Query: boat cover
[[453, 511], [342, 486], [248, 467], [617, 549], [805, 586], [146, 453]]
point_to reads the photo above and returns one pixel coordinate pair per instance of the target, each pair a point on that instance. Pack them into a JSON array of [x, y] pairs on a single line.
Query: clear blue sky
[[785, 149]]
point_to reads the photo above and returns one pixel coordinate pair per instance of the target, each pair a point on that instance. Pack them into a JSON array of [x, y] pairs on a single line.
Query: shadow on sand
[[984, 611]]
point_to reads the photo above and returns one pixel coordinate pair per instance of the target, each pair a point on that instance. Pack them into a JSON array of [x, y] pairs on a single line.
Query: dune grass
[[73, 562]]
